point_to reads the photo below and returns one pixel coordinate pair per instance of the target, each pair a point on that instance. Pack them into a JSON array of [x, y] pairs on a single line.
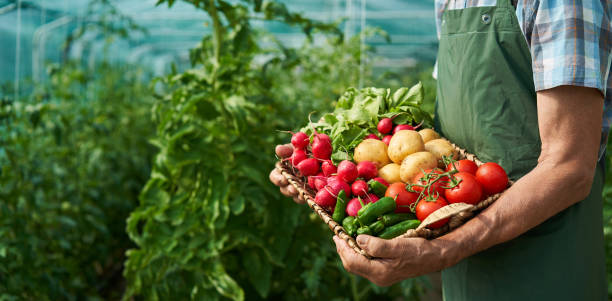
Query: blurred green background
[[136, 140]]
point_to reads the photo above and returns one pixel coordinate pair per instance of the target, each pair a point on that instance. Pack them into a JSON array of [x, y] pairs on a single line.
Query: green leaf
[[224, 284], [338, 156], [413, 97], [259, 271]]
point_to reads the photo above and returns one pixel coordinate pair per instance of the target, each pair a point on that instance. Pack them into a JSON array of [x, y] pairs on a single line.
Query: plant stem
[[217, 35]]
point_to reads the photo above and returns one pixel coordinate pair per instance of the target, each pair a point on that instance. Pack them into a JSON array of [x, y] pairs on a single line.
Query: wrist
[[450, 251]]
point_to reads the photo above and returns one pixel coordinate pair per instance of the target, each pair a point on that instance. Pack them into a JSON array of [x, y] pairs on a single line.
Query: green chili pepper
[[378, 188], [377, 227], [349, 224], [399, 229], [364, 230], [372, 211], [340, 210], [394, 218]]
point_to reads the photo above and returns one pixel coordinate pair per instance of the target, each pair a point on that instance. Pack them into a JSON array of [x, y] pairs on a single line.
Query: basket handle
[[445, 212]]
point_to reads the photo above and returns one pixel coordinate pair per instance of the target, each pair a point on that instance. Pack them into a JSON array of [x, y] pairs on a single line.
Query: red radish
[[335, 185], [311, 181], [403, 127], [298, 156], [347, 171], [320, 181], [322, 137], [371, 198], [353, 207], [300, 140], [385, 125], [328, 168], [359, 188], [325, 198], [387, 139], [382, 181], [308, 167], [366, 170], [321, 147], [371, 136]]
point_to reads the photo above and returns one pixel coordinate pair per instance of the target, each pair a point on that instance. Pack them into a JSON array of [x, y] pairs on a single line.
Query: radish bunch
[[312, 158]]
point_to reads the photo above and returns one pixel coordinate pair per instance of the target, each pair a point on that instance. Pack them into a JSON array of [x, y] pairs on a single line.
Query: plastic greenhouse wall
[[32, 32]]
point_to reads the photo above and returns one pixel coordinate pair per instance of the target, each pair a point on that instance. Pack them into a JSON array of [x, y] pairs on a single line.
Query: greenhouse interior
[[142, 143]]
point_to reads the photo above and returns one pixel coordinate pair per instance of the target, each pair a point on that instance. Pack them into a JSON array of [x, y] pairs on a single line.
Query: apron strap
[[505, 4]]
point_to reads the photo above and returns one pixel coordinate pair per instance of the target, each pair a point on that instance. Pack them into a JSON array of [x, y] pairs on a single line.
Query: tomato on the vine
[[403, 198], [430, 176], [467, 191], [428, 205], [492, 177], [463, 166]]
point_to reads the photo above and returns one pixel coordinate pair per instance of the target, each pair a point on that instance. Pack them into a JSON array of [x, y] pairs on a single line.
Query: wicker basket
[[457, 213]]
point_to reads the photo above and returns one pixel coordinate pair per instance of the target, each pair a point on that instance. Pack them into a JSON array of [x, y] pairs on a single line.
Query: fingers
[[357, 263], [378, 247], [299, 199], [287, 192], [284, 151], [277, 178]]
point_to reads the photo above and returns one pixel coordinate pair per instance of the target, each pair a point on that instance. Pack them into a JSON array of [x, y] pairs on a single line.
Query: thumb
[[377, 247]]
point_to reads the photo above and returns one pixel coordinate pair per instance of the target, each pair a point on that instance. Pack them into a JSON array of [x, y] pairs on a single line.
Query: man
[[522, 84]]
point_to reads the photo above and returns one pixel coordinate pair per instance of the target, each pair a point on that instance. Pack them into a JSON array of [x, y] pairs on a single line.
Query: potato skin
[[372, 150], [414, 163], [428, 135], [390, 173], [404, 143], [441, 147]]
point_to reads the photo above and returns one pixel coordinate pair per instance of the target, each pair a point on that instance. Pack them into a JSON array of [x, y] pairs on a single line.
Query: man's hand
[[283, 152], [395, 259], [570, 127]]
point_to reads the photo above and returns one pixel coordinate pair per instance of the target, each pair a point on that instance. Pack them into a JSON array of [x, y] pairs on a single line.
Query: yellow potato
[[390, 172], [415, 163], [428, 135], [372, 150], [441, 147], [403, 144]]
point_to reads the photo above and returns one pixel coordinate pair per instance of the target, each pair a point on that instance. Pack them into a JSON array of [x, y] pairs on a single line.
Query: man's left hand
[[394, 260]]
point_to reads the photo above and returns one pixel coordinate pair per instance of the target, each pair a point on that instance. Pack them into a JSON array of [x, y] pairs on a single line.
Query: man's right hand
[[285, 151]]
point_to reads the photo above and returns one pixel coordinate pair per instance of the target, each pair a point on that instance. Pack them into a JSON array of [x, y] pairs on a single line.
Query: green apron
[[487, 104]]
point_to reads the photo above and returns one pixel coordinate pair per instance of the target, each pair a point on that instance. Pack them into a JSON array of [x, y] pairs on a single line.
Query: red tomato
[[467, 191], [423, 179], [492, 177], [426, 206], [404, 198], [463, 166]]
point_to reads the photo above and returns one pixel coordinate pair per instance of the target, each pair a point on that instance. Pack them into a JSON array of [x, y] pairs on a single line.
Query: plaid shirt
[[570, 43]]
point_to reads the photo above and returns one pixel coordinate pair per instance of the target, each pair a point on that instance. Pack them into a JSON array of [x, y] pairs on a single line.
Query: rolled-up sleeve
[[570, 42]]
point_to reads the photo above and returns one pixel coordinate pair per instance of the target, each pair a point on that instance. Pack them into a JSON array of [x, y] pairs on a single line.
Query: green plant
[[210, 226], [71, 167], [607, 215]]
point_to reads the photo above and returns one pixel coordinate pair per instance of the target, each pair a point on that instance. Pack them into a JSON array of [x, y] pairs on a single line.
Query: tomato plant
[[463, 166], [427, 206], [492, 177], [427, 177], [404, 199], [210, 226], [467, 190]]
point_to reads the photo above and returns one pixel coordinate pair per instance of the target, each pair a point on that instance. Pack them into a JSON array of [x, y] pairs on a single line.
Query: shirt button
[[486, 19]]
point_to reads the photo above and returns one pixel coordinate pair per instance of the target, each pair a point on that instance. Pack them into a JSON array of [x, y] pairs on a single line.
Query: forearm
[[545, 191], [569, 126]]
